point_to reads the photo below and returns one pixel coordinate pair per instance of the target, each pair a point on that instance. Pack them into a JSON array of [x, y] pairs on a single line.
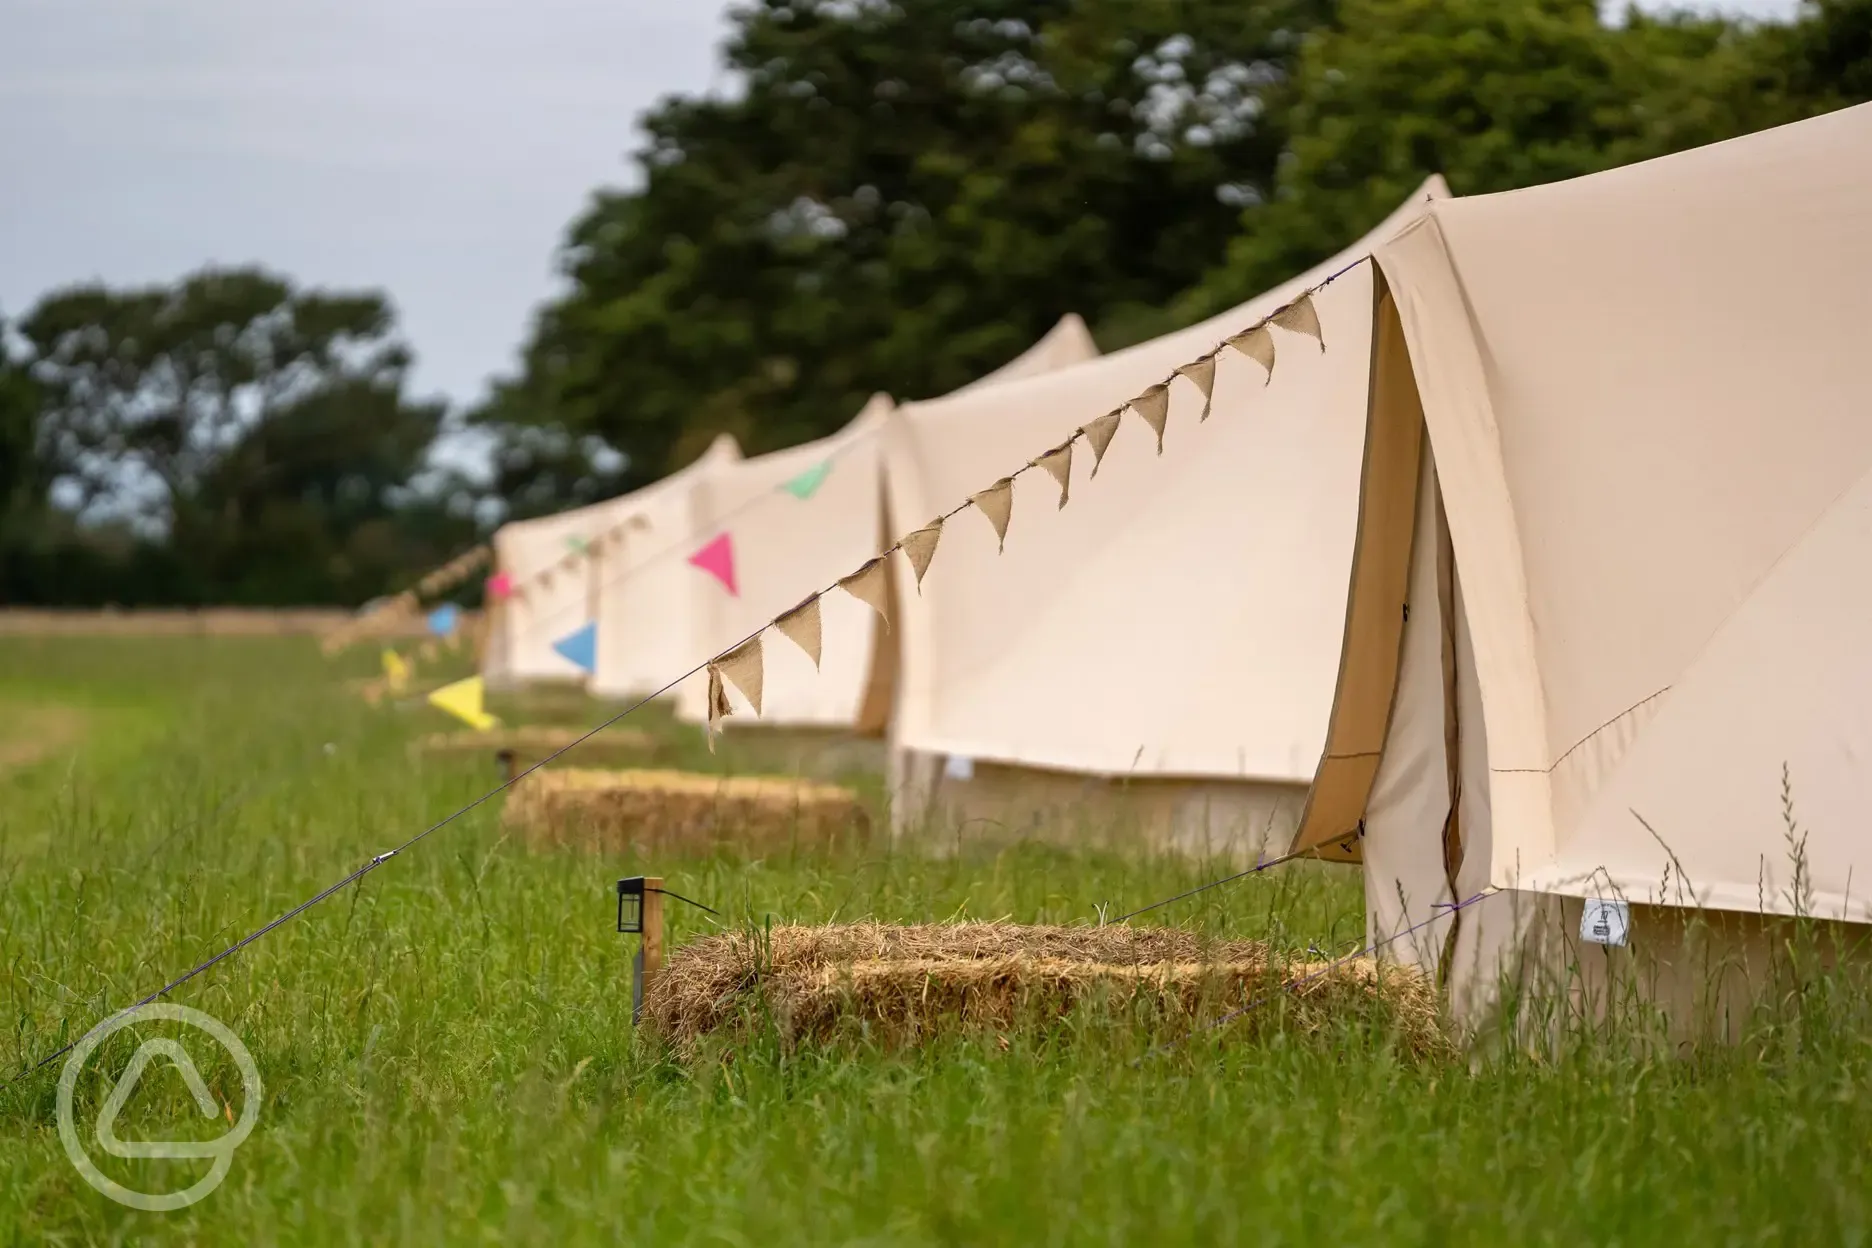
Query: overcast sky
[[432, 148]]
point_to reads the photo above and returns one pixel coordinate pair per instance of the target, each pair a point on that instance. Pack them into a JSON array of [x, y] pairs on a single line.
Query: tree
[[1494, 97], [25, 481], [901, 196], [1832, 52], [255, 433]]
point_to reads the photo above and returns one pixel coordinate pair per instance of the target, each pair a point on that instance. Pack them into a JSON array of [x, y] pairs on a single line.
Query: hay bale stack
[[532, 742], [903, 984], [678, 810]]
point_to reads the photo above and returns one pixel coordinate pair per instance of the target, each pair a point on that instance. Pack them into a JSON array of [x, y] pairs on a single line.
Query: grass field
[[447, 1051]]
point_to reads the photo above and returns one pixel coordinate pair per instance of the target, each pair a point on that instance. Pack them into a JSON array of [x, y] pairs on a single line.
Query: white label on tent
[[959, 767], [1605, 922]]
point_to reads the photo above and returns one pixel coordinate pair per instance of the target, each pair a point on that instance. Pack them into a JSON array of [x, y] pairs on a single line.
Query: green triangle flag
[[804, 485], [577, 545]]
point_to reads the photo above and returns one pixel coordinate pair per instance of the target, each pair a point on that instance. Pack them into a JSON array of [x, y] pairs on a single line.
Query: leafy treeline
[[891, 196], [227, 439]]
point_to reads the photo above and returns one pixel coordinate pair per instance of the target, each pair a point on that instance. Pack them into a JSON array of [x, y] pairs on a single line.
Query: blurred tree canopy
[[892, 195], [901, 196], [228, 438], [1499, 96]]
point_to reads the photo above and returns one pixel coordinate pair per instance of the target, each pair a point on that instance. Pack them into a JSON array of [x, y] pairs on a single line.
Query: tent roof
[[1067, 343], [786, 547], [575, 521], [1180, 616]]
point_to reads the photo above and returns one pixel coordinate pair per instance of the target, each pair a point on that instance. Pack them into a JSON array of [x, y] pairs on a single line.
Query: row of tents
[[1540, 575]]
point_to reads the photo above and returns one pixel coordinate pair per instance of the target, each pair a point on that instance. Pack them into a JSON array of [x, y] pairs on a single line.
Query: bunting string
[[405, 605], [869, 584]]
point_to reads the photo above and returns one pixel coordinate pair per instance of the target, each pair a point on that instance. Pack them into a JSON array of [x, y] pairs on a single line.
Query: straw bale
[[903, 984], [679, 810]]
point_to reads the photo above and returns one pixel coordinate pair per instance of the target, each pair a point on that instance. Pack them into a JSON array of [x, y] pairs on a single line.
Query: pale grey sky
[[434, 148]]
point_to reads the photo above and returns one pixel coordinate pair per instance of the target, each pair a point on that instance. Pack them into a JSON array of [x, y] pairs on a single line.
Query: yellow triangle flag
[[396, 671], [463, 700]]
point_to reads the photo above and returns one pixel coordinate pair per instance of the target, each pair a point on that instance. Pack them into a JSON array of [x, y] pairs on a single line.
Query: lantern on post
[[630, 904], [640, 910]]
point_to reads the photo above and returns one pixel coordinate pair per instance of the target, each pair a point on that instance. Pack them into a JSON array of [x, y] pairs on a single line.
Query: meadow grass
[[448, 1057]]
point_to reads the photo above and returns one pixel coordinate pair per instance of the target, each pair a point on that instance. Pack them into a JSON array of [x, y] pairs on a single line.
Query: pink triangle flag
[[717, 559], [500, 585]]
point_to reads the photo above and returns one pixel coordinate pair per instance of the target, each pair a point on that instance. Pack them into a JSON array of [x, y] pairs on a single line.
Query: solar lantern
[[640, 912]]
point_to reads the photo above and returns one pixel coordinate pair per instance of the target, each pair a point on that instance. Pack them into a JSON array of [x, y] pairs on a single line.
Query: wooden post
[[652, 929]]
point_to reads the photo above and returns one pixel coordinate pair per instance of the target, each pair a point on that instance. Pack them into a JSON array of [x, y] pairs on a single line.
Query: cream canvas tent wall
[[1608, 633], [796, 520], [559, 566], [1172, 633]]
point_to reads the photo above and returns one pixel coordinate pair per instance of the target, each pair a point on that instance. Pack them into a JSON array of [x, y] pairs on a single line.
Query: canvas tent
[[1168, 640], [1607, 634], [796, 520], [560, 565]]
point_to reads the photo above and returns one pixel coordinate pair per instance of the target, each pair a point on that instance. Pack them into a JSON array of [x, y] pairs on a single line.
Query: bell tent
[[1605, 648], [1153, 659]]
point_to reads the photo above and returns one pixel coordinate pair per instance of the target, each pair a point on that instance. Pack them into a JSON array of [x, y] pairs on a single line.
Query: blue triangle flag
[[442, 619], [580, 648]]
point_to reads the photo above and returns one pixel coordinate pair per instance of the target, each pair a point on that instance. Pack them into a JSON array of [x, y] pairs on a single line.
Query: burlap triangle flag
[[719, 708], [1099, 433], [920, 547], [1300, 317], [1202, 372], [1058, 462], [869, 585], [1154, 406], [1258, 345], [997, 503], [801, 627], [742, 666]]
